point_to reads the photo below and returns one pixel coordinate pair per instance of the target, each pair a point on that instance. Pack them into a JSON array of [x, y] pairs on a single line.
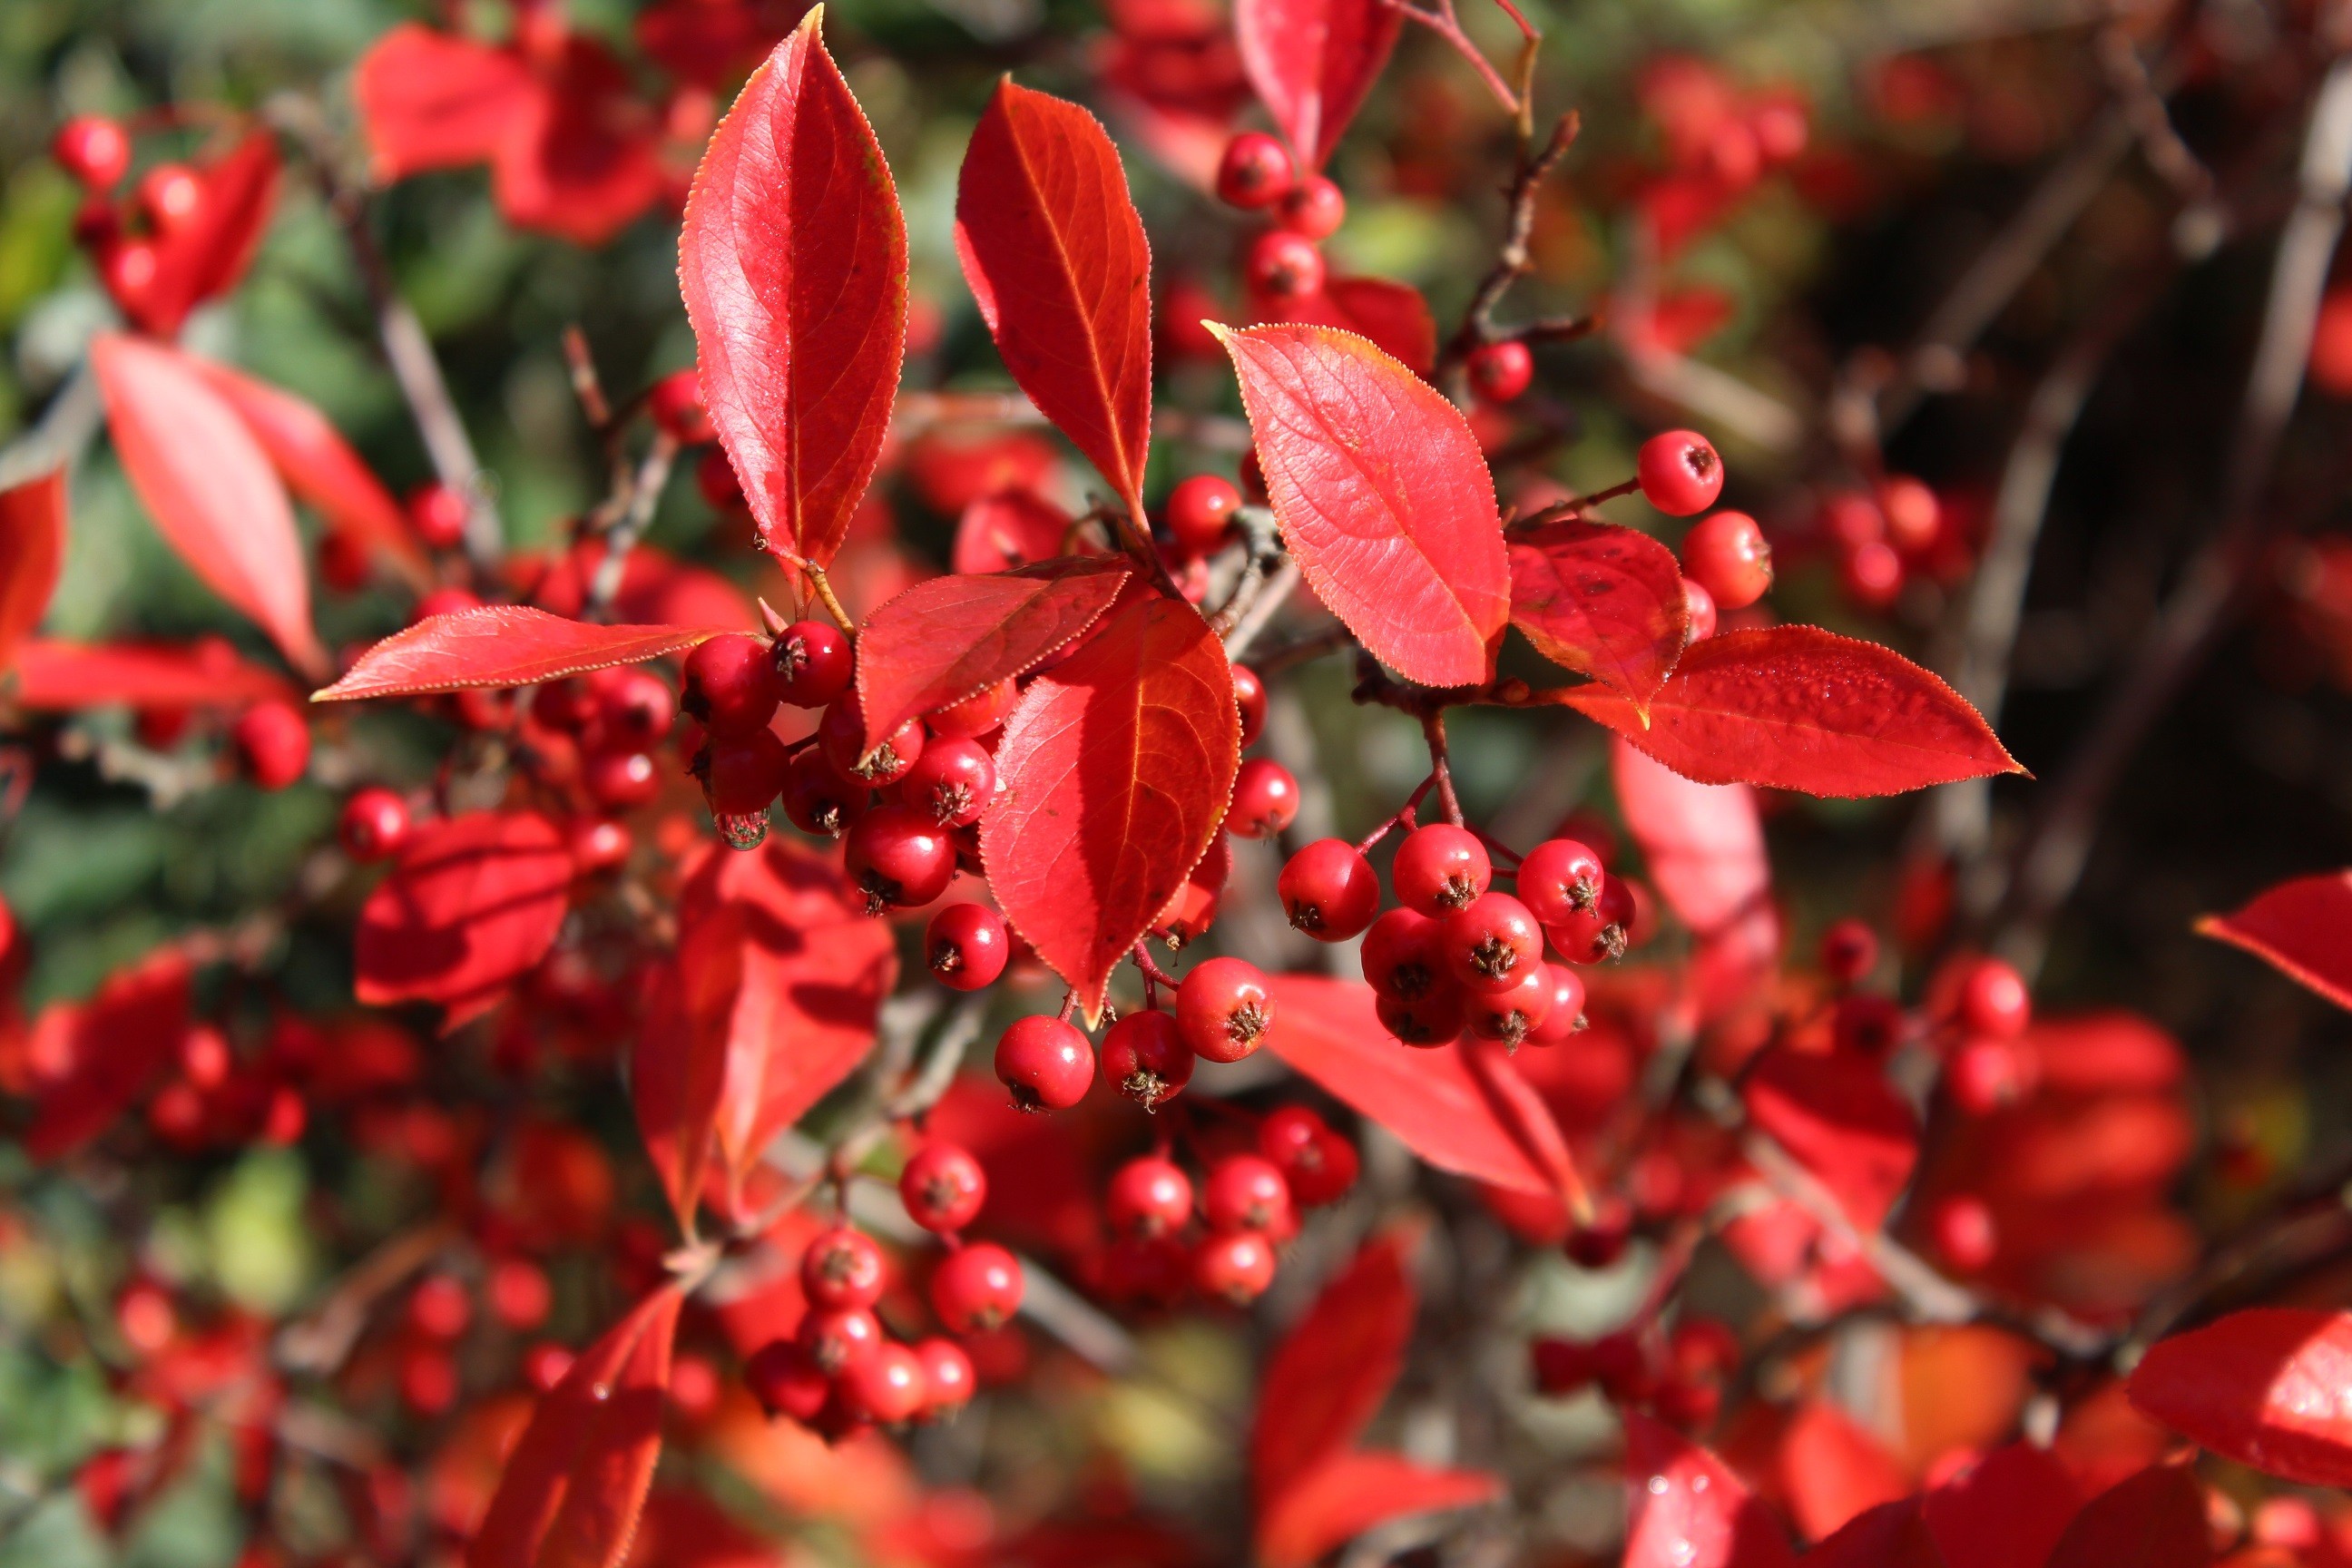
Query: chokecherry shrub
[[1080, 814]]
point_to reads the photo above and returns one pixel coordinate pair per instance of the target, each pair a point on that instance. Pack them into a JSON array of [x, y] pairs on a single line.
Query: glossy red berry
[[1433, 1018], [520, 1294], [1440, 867], [840, 735], [1511, 1016], [976, 1288], [1318, 1164], [842, 1268], [951, 782], [440, 1307], [1235, 1268], [1329, 890], [1565, 1016], [726, 688], [128, 268], [1698, 608], [273, 743], [637, 708], [741, 776], [676, 403], [1148, 1198], [967, 946], [1963, 1233], [811, 663], [943, 1187], [1500, 372], [1247, 1192], [1249, 695], [170, 198], [1986, 1074], [1254, 171], [1201, 512], [566, 707], [1680, 472], [817, 799], [1866, 1027], [886, 1387], [1559, 877], [95, 151], [1994, 1000], [437, 514], [786, 1381], [1400, 955], [1146, 1059], [1284, 265], [899, 858], [836, 1338], [1046, 1062], [1725, 552], [977, 716], [1265, 799], [374, 824], [1600, 1241], [1223, 1009], [1314, 208], [1490, 943], [1872, 575], [1914, 516], [1597, 934], [1849, 952], [619, 780], [949, 1380]]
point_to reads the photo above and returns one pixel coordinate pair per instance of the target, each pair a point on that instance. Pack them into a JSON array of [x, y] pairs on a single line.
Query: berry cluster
[[1879, 540], [1676, 1375], [1284, 264]]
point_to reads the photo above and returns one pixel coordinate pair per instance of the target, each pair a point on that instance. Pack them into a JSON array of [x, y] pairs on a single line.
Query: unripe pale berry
[[1440, 867], [1329, 890], [1725, 552], [1314, 208], [1223, 1009], [1254, 171], [811, 663], [943, 1187], [1265, 799], [1680, 472], [967, 946], [1559, 876], [1046, 1062], [976, 1288], [1146, 1059], [1201, 512], [1285, 265], [726, 688], [1500, 372], [374, 824], [1149, 1197], [1489, 942]]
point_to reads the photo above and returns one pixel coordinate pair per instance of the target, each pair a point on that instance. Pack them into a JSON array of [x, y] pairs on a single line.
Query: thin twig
[[1433, 730], [1513, 260], [644, 496], [1442, 19], [67, 426]]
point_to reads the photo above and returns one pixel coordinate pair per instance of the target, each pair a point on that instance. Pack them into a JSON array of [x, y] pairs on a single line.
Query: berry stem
[[1403, 817], [824, 586], [1152, 974], [1069, 1006], [1497, 847], [1433, 730]]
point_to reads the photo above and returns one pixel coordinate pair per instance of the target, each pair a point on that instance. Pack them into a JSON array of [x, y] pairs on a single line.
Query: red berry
[[1872, 575], [128, 269], [840, 735], [1201, 512], [1500, 372], [1235, 1268], [1680, 472], [842, 1268], [619, 780], [951, 782], [520, 1294], [170, 197], [741, 776], [725, 688], [565, 707], [438, 514], [1600, 1241], [676, 403], [967, 946], [1434, 1019], [949, 1379], [374, 824], [95, 150], [1145, 1058], [1439, 869], [811, 663], [1851, 520], [637, 708], [1313, 208], [544, 1365], [817, 799], [1599, 933], [1399, 956], [1249, 695], [787, 1381], [977, 1288], [1046, 1062], [943, 1187], [1245, 1192], [2331, 342], [1251, 475], [1512, 1016], [343, 561], [1329, 890], [1148, 1198], [1986, 1074], [837, 1338], [1963, 1233], [1698, 608], [977, 716], [899, 858], [1559, 878], [1561, 1366], [429, 1380], [273, 743], [1318, 1164], [440, 1307], [1223, 1009], [442, 602], [1490, 943], [1254, 171], [1849, 952], [1994, 1000], [1781, 129], [715, 477], [1148, 1270], [1284, 265], [1866, 1027], [1265, 799], [1914, 516], [1725, 552], [1565, 1016]]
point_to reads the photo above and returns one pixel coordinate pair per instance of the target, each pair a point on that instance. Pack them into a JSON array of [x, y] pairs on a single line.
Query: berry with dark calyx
[[949, 1379], [1234, 1267], [1247, 1192], [438, 514], [1490, 943], [811, 663], [1400, 955], [976, 1288], [1249, 695], [618, 780], [1597, 934], [841, 736], [886, 1388], [836, 1338], [1427, 1021], [1223, 1009], [1866, 1027], [273, 743], [1680, 471], [817, 799], [899, 858], [1559, 878], [374, 824], [170, 197], [786, 1382], [842, 1268], [1201, 512], [951, 782], [1284, 265], [1148, 1198], [1849, 952], [943, 1187], [1313, 208], [1046, 1062], [1319, 1164], [1994, 1000], [1963, 1233], [1510, 1017], [1500, 372], [725, 688], [1265, 799], [1254, 171], [637, 708], [976, 716], [95, 151], [1565, 1016], [1329, 890], [1600, 1241], [967, 946], [1440, 867], [741, 776], [1145, 1058], [1725, 552], [676, 403]]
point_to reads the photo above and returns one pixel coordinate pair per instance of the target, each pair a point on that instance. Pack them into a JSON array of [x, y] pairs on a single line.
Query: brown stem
[[1433, 730], [1513, 260]]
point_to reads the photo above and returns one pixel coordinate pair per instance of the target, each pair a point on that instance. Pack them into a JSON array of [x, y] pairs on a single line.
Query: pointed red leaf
[[1688, 1511], [2270, 1387], [1523, 1113], [1008, 529], [1327, 1379], [500, 645], [1601, 600], [1892, 1535], [1384, 500], [2153, 1519], [2008, 1508], [1839, 1118], [473, 904], [432, 101], [953, 638], [1326, 1030], [1313, 62], [90, 1060], [1798, 707], [794, 262], [577, 1479], [1056, 256], [1348, 1494], [1115, 770], [65, 676], [209, 486], [810, 969], [1393, 315], [32, 547], [205, 256], [678, 1071], [2302, 928], [1704, 844], [1832, 1471]]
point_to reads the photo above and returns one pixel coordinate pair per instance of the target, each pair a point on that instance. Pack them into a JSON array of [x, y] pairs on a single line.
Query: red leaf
[[32, 545], [812, 967], [1348, 1494], [1688, 1511], [430, 100], [953, 638], [2009, 1509], [1393, 315], [91, 1060], [1056, 256], [206, 256], [1383, 497], [1011, 528], [1839, 1118], [2270, 1388], [1326, 1380], [210, 488], [1892, 1535], [1326, 1029], [500, 646], [473, 904], [2302, 928], [581, 160], [1704, 844], [2153, 1519], [1116, 768], [794, 262], [1798, 707], [1601, 600], [679, 1067], [54, 675], [1523, 1113], [1832, 1471], [578, 1477], [1313, 62]]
